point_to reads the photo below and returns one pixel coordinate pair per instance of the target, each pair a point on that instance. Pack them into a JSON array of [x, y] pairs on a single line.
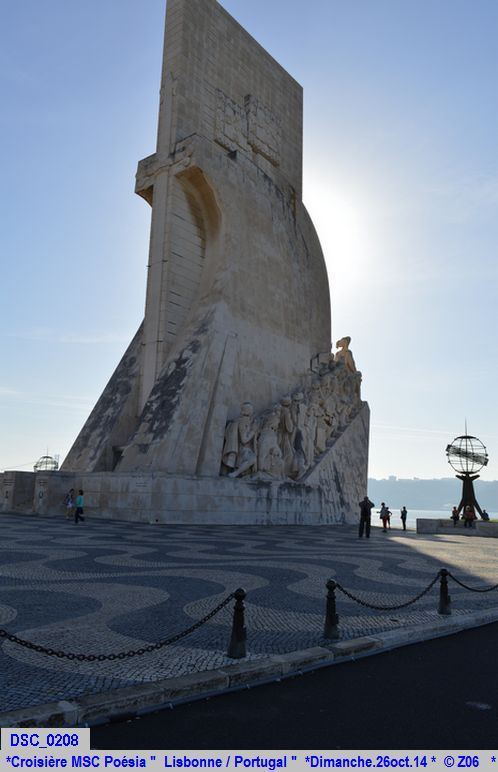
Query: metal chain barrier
[[472, 589], [122, 654], [237, 646], [388, 608]]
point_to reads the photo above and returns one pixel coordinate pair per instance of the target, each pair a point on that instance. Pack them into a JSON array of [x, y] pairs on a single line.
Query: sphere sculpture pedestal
[[467, 455]]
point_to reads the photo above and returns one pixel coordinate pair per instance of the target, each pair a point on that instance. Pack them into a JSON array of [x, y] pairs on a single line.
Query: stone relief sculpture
[[310, 436], [286, 441], [234, 258], [269, 453], [285, 434], [239, 452], [316, 421], [299, 466]]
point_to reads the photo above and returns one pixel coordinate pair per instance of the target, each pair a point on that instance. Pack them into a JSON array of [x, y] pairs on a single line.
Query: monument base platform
[[480, 527], [329, 493], [171, 499]]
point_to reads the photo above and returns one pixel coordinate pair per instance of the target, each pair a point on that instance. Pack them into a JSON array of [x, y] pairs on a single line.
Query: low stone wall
[[172, 499], [50, 489], [17, 491], [481, 528]]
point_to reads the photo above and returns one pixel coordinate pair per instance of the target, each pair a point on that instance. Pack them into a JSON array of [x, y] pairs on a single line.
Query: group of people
[[366, 507], [74, 505], [468, 516]]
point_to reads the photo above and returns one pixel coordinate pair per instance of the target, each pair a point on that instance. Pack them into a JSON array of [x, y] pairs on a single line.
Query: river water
[[412, 516]]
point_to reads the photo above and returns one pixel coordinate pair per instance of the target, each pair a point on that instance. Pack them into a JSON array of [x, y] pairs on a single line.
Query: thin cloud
[[411, 429], [65, 402], [48, 335], [6, 392], [94, 339], [417, 432]]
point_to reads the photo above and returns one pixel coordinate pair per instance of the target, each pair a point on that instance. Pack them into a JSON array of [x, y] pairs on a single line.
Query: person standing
[[468, 517], [80, 501], [455, 516], [366, 507], [404, 513], [384, 516], [69, 503]]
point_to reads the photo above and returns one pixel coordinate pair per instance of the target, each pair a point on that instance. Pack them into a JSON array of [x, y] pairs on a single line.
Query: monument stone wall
[[18, 491], [237, 308]]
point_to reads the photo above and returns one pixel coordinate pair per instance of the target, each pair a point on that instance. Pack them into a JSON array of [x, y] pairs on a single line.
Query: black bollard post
[[444, 598], [237, 645], [330, 629]]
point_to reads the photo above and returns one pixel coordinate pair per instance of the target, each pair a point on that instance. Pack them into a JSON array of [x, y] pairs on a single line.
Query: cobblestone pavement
[[103, 587]]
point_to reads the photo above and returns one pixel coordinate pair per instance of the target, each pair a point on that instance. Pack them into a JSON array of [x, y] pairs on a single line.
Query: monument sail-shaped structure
[[228, 405]]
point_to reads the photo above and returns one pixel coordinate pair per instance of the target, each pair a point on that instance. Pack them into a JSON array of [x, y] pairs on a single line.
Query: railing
[[331, 627], [236, 646], [237, 642]]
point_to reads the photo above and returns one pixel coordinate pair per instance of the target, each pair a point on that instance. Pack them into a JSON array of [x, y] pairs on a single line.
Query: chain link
[[472, 589], [388, 608], [122, 654]]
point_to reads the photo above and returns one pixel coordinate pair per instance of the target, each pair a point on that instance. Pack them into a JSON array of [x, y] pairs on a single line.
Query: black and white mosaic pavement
[[104, 587]]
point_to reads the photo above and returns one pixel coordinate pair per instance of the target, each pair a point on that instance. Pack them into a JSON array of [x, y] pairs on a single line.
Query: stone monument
[[228, 405]]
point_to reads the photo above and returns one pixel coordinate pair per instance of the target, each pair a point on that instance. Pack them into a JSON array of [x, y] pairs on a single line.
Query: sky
[[400, 178]]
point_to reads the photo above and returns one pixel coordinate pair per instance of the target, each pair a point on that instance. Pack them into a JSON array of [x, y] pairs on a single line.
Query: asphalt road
[[441, 694]]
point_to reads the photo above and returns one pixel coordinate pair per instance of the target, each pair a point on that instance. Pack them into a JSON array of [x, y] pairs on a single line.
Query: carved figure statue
[[299, 429], [321, 429], [276, 463], [269, 453], [343, 404], [310, 434], [298, 413], [318, 424], [299, 460], [239, 450], [329, 402], [344, 356], [285, 434]]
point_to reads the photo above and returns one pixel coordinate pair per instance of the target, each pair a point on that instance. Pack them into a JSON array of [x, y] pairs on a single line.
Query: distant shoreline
[[436, 495]]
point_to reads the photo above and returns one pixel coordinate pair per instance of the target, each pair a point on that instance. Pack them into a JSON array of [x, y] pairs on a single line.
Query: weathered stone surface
[[329, 495], [341, 473], [18, 490], [237, 309], [98, 445], [234, 259]]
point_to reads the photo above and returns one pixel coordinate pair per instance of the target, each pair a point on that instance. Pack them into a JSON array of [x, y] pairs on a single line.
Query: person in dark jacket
[[366, 507], [404, 513]]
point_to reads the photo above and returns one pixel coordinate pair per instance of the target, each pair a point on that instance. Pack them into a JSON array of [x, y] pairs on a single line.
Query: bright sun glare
[[341, 228]]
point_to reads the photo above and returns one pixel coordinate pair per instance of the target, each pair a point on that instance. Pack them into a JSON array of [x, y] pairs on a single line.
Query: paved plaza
[[106, 587]]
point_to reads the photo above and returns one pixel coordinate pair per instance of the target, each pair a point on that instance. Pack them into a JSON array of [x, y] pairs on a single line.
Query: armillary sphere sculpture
[[467, 455]]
